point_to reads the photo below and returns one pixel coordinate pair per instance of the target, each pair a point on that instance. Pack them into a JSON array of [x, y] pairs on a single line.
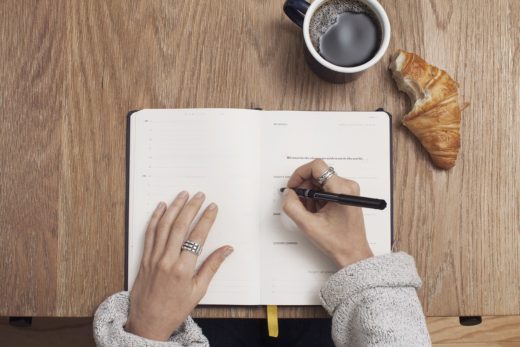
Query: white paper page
[[211, 150], [357, 145]]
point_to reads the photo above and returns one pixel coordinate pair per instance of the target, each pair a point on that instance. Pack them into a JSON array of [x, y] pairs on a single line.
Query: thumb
[[294, 208], [209, 268]]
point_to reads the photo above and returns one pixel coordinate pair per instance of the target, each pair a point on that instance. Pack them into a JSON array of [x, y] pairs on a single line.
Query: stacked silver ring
[[192, 247], [326, 175]]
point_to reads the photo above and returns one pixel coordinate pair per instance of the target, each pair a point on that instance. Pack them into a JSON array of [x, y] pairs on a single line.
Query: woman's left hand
[[168, 286]]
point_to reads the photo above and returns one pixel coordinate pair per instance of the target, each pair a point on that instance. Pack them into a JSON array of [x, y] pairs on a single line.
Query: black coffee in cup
[[345, 32]]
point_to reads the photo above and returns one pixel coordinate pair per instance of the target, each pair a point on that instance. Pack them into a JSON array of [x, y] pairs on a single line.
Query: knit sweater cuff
[[389, 270], [111, 317]]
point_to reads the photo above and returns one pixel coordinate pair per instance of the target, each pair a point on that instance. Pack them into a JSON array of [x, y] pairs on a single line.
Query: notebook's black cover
[[127, 194], [127, 202], [391, 181]]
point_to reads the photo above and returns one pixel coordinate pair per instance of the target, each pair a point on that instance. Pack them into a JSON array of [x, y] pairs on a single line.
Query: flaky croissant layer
[[435, 117]]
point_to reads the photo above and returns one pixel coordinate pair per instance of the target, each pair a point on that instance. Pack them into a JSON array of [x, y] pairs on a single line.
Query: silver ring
[[326, 176], [192, 247]]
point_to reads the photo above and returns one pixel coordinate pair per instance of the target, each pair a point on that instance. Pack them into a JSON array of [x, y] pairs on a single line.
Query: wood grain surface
[[71, 70], [444, 332], [493, 329]]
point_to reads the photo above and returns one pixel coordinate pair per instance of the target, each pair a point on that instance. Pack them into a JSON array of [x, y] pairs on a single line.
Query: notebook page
[[211, 150], [357, 145]]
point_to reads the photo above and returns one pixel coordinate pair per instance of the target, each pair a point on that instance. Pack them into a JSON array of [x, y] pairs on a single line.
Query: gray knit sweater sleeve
[[110, 319], [374, 303]]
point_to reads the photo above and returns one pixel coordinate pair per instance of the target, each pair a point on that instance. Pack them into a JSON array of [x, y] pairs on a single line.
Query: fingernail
[[199, 195], [160, 205], [228, 251], [285, 191], [183, 194], [212, 206]]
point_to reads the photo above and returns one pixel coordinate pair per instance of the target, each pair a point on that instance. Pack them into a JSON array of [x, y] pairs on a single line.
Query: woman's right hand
[[339, 230]]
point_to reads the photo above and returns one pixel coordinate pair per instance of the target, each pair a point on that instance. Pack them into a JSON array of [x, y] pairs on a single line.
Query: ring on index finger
[[326, 176]]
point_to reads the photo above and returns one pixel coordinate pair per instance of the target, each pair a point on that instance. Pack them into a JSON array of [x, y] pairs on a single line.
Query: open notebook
[[240, 159]]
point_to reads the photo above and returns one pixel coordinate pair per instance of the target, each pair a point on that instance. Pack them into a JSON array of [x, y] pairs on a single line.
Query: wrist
[[146, 331], [355, 256]]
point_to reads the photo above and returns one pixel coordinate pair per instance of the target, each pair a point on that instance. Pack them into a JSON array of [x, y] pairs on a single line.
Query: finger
[[209, 268], [309, 203], [346, 186], [320, 204], [199, 234], [150, 232], [165, 223], [295, 209], [311, 172], [182, 225], [307, 185]]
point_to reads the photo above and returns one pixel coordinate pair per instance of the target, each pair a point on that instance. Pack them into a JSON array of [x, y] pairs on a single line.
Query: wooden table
[[71, 70]]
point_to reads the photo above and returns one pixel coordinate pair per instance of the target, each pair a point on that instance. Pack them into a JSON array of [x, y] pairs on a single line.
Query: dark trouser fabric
[[253, 333]]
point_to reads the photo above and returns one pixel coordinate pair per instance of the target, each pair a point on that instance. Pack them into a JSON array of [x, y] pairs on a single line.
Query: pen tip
[[282, 189]]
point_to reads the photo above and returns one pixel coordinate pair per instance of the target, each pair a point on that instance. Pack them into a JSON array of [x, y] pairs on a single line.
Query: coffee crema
[[345, 32]]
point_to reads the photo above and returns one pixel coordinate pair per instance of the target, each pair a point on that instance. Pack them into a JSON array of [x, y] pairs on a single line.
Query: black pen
[[342, 199]]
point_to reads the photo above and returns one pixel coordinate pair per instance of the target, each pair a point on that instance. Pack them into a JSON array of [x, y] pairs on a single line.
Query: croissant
[[435, 116]]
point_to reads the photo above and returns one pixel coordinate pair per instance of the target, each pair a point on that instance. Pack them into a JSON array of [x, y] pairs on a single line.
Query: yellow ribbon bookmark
[[272, 320]]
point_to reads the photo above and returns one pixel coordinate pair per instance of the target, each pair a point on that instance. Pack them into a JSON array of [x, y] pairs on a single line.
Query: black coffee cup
[[301, 12]]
